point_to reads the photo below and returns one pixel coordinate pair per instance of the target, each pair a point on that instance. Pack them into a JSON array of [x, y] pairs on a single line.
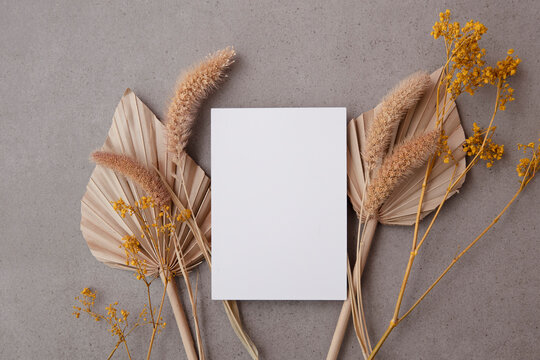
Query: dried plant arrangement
[[193, 87], [402, 186], [392, 177], [128, 219], [147, 205]]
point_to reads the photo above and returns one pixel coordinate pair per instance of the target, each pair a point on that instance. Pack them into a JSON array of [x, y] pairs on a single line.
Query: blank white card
[[279, 204]]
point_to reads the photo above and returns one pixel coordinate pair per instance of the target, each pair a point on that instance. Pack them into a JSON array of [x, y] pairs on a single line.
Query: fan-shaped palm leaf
[[137, 132]]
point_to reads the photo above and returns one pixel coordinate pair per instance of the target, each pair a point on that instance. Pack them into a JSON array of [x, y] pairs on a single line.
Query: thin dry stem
[[127, 350], [415, 246], [231, 307], [180, 256], [158, 317], [394, 323], [455, 260]]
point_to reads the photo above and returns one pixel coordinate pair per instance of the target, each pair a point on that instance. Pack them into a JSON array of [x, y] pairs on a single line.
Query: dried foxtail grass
[[395, 168], [393, 107], [193, 87], [148, 180]]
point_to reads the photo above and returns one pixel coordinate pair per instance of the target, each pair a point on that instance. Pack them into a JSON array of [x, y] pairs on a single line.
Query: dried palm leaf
[[400, 208], [136, 132]]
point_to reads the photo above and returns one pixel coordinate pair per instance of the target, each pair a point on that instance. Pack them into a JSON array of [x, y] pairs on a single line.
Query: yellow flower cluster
[[499, 74], [528, 167], [87, 301], [145, 202], [163, 224], [468, 70], [443, 149], [184, 215], [490, 152], [131, 248], [118, 322], [122, 208]]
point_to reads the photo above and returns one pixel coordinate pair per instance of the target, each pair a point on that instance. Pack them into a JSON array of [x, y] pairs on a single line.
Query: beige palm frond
[[401, 206], [137, 134]]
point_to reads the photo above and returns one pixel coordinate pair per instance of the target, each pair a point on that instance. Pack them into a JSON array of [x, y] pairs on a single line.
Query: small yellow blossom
[[467, 70], [118, 325], [444, 150], [154, 229], [184, 215], [489, 152], [528, 167]]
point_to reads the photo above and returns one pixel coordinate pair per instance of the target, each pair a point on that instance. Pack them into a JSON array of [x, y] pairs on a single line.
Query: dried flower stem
[[164, 271], [414, 249], [155, 327], [192, 299], [455, 260], [231, 307], [114, 350], [455, 182], [396, 321], [127, 350], [415, 244]]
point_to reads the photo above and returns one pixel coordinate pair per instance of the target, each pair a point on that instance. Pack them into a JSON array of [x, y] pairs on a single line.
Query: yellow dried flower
[[528, 167], [490, 151], [132, 248], [444, 150], [467, 70], [118, 325], [164, 224], [184, 215]]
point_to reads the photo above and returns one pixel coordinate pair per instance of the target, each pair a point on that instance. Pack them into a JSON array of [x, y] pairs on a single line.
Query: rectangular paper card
[[279, 204]]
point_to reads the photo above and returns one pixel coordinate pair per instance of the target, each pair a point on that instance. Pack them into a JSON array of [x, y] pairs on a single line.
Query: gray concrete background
[[64, 67]]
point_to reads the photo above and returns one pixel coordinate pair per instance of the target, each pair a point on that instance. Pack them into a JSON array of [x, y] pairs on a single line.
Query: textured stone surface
[[64, 66]]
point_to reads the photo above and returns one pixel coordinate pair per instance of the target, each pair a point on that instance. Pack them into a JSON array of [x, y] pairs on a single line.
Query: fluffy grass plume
[[395, 168], [148, 180], [394, 106], [193, 87]]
